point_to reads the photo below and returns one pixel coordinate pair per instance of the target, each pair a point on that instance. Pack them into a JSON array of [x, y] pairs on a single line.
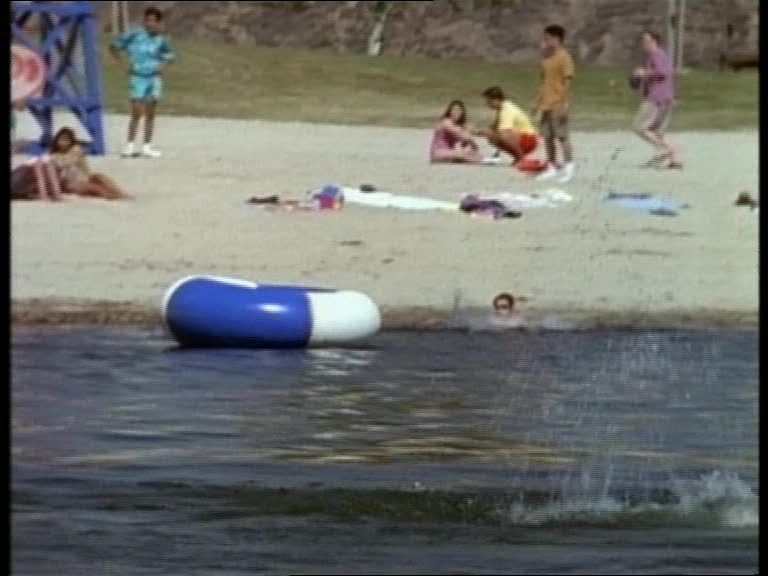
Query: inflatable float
[[215, 312]]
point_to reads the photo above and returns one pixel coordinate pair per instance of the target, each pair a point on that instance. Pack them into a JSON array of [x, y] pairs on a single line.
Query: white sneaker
[[129, 151], [566, 173], [550, 172], [150, 152]]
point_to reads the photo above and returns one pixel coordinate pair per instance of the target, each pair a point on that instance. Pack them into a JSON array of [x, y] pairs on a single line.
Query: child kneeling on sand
[[75, 175], [511, 131], [451, 142]]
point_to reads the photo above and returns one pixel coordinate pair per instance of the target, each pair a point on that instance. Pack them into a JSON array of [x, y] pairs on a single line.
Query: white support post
[[680, 36], [671, 44], [120, 20]]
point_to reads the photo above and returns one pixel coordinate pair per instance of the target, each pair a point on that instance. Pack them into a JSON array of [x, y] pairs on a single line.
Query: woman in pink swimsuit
[[451, 142]]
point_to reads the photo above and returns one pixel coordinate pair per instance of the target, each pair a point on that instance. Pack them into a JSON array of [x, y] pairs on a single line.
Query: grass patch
[[227, 81]]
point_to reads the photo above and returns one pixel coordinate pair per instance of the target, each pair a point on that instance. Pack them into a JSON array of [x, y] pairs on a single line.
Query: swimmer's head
[[504, 304]]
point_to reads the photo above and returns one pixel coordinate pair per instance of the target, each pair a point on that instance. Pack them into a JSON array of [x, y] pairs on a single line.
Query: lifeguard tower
[[65, 36]]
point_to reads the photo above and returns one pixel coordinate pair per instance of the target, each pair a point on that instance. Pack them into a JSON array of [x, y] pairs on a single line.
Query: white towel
[[389, 200]]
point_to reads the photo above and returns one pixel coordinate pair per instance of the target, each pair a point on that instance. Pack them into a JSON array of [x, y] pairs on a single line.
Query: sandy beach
[[586, 262]]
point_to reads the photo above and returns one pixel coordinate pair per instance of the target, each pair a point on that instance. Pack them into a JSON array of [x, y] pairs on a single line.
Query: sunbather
[[75, 175], [451, 141]]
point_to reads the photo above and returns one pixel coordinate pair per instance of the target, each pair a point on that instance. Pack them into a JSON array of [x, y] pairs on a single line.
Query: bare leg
[[91, 190], [110, 189], [673, 153], [455, 155], [654, 139], [53, 180], [47, 180], [42, 189], [137, 111], [646, 126], [149, 121], [508, 141]]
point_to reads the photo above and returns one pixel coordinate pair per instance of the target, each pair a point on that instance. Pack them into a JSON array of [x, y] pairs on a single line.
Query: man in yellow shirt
[[553, 103], [511, 130]]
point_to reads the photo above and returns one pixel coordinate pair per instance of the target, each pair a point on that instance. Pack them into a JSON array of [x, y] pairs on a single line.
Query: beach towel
[[656, 205], [551, 198], [492, 208], [494, 202], [389, 200]]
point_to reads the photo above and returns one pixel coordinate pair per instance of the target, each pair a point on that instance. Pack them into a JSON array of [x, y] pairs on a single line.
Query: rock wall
[[602, 32]]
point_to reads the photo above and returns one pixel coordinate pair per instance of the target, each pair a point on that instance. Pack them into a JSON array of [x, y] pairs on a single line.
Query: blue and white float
[[211, 311]]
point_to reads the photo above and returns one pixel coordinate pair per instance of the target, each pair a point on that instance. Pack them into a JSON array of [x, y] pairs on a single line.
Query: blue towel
[[657, 205]]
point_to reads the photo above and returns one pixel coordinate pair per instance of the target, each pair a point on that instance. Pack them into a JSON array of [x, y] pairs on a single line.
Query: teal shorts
[[146, 87]]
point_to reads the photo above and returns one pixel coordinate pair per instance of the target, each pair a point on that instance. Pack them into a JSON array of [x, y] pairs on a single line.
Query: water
[[446, 452]]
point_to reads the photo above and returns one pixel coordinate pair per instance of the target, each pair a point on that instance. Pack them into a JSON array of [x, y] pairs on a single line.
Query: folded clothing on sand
[[493, 208]]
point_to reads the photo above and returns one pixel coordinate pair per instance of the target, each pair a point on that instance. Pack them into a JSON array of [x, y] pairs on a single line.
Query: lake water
[[594, 452]]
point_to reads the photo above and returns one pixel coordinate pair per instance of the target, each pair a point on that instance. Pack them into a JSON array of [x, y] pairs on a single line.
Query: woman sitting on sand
[[75, 175], [451, 142]]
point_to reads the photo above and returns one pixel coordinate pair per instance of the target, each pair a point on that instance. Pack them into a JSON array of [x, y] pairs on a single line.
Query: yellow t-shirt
[[511, 117], [554, 71]]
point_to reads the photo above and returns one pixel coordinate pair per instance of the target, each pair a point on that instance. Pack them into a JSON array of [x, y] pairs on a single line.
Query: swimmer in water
[[504, 313]]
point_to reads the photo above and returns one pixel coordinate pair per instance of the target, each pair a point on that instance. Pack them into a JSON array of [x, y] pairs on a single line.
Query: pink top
[[442, 139], [660, 88]]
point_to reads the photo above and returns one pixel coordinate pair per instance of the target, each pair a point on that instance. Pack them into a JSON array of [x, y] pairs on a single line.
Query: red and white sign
[[27, 73]]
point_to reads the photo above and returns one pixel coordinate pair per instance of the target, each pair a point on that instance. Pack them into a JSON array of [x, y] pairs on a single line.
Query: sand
[[93, 260]]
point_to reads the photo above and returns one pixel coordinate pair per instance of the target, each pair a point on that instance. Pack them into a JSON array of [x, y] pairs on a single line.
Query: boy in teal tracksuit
[[148, 51]]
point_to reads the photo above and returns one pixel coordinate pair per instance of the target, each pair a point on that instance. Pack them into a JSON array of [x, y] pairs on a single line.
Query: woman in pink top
[[451, 142], [657, 79]]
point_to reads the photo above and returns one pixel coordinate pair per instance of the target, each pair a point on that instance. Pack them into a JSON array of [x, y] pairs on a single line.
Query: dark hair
[[655, 35], [453, 103], [153, 11], [555, 30], [504, 296], [63, 132], [494, 93]]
